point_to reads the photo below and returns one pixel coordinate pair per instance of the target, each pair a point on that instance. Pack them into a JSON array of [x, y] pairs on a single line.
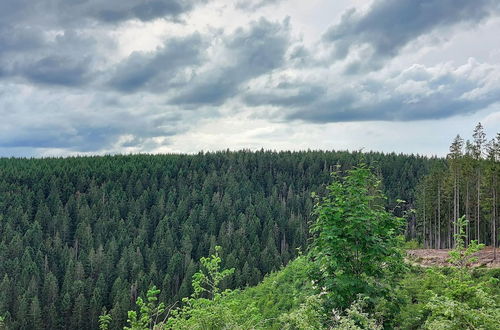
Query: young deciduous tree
[[150, 314], [209, 278], [356, 241], [461, 256]]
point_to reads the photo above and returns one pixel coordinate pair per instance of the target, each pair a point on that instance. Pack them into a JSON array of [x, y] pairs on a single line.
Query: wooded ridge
[[86, 233]]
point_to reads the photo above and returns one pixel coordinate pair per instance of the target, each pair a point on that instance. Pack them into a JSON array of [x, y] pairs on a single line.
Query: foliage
[[355, 318], [412, 245], [276, 303], [432, 298], [308, 316], [199, 311], [462, 256], [446, 299], [451, 298], [279, 293], [83, 233], [356, 242], [264, 306], [104, 320], [209, 278], [150, 312]]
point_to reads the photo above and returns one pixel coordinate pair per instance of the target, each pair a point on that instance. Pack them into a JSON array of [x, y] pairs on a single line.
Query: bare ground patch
[[439, 257]]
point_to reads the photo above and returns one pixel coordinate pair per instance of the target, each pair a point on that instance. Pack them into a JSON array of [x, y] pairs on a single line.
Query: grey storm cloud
[[57, 70], [14, 39], [345, 108], [54, 42], [154, 71], [113, 11], [76, 13], [389, 25], [255, 4], [58, 120], [416, 94], [286, 94], [250, 53], [66, 60]]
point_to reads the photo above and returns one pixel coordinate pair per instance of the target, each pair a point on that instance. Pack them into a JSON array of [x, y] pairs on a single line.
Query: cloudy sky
[[128, 76]]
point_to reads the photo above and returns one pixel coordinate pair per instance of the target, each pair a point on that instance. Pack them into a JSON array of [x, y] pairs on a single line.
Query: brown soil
[[434, 257]]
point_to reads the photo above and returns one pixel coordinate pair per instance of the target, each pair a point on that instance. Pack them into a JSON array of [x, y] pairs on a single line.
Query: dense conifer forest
[[84, 235]]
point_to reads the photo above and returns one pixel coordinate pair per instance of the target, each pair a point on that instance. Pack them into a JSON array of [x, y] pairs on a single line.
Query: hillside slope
[[81, 234]]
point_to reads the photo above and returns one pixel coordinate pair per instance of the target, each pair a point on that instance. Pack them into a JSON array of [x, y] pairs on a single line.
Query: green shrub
[[412, 245], [357, 243], [449, 299]]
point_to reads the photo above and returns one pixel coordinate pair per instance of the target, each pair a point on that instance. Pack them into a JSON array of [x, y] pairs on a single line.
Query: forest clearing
[[439, 257]]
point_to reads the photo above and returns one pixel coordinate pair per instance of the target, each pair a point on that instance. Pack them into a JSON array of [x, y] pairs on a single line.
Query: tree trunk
[[425, 220], [439, 217], [467, 228], [494, 229], [478, 234], [449, 227], [435, 231], [455, 208]]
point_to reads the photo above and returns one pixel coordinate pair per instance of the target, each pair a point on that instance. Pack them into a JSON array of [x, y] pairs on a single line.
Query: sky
[[90, 77]]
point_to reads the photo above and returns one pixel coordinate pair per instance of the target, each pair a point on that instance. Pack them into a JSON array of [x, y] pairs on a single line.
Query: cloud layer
[[417, 93], [71, 82]]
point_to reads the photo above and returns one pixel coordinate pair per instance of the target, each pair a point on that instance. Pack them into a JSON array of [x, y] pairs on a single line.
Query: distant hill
[[81, 234]]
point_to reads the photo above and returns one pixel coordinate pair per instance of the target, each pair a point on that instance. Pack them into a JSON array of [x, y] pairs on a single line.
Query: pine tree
[[35, 319], [465, 186], [479, 141], [455, 155]]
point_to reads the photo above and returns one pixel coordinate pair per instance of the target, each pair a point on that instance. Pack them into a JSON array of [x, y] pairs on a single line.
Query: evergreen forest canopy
[[79, 235]]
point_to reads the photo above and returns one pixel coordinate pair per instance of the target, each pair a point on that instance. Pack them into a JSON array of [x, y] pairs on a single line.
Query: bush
[[412, 245]]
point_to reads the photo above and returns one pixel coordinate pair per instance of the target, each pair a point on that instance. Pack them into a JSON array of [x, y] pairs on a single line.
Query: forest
[[466, 184], [85, 239]]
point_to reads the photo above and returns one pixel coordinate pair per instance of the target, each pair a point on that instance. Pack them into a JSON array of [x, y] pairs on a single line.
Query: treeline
[[465, 184], [79, 235]]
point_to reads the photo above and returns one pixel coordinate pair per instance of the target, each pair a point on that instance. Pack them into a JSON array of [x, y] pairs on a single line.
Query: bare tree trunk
[[494, 232], [449, 228], [458, 199], [431, 235], [439, 217], [455, 207], [478, 207], [435, 230], [425, 220], [467, 228]]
